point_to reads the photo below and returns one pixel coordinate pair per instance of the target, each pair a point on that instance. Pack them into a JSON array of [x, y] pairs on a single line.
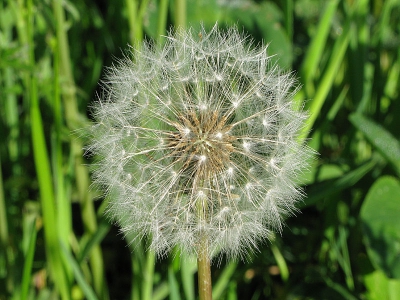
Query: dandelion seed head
[[199, 138]]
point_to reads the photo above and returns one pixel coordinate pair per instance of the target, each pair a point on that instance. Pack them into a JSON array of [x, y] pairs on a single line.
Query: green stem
[[203, 256], [204, 270], [43, 171], [28, 261], [288, 12], [132, 11], [147, 288], [162, 20], [280, 260], [64, 219], [74, 120], [180, 14], [4, 236]]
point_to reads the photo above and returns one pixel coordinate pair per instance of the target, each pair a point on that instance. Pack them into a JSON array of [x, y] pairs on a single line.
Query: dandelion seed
[[197, 141]]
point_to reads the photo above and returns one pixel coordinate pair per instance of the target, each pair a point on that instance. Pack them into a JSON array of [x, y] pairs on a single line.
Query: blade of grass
[[95, 240], [75, 120], [137, 263], [161, 292], [135, 282], [173, 284], [80, 278], [223, 280], [288, 9], [135, 34], [330, 187], [136, 10], [162, 20], [64, 226], [188, 269], [345, 258], [148, 272], [139, 21], [317, 47], [4, 236], [338, 288], [317, 134], [43, 171], [46, 193], [28, 261], [358, 53], [383, 20], [232, 295], [328, 77], [280, 260]]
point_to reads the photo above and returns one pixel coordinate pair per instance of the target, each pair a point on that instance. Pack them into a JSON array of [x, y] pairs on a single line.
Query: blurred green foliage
[[54, 240]]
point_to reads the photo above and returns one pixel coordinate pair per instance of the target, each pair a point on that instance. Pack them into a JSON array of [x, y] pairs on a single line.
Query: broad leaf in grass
[[204, 12], [380, 138], [262, 20], [380, 215], [265, 21]]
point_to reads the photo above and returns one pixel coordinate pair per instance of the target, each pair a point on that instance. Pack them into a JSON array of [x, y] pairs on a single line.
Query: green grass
[[55, 242]]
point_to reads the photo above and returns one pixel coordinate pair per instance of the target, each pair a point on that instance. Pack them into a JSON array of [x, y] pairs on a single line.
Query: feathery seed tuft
[[199, 139]]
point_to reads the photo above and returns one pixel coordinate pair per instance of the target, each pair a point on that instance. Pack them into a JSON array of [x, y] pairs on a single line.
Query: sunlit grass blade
[[74, 120], [388, 7], [64, 219], [161, 292], [173, 285], [330, 187], [44, 176], [148, 273], [223, 280], [162, 20], [358, 52], [188, 269], [316, 136], [94, 240], [80, 278], [138, 259], [325, 85], [288, 10], [28, 261], [47, 195], [280, 261], [379, 286], [317, 47]]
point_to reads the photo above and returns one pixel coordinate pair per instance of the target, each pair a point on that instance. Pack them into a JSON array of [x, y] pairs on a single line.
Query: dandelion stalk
[[204, 271], [196, 146]]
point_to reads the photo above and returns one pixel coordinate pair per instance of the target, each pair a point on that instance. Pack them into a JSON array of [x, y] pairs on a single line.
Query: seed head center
[[202, 141]]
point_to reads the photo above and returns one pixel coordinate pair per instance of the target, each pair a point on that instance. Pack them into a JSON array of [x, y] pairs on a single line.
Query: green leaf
[[380, 220], [264, 21], [380, 287], [380, 138], [205, 12], [318, 43]]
